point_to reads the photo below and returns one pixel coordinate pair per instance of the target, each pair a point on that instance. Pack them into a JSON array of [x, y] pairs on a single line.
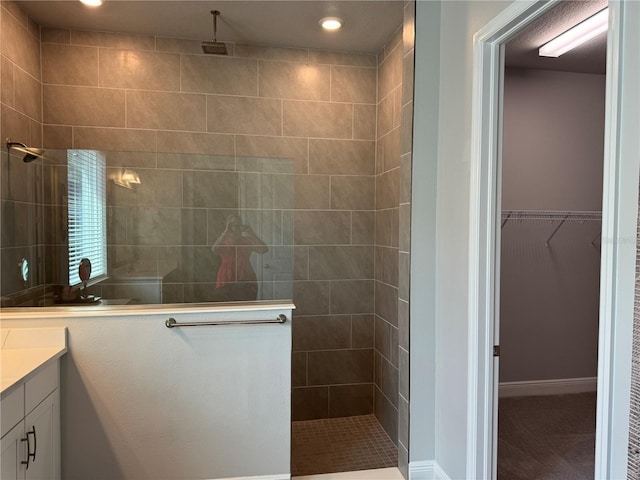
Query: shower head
[[214, 47], [31, 153]]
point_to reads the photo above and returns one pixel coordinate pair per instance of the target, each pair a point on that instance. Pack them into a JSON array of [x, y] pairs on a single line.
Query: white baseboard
[[427, 470], [547, 387]]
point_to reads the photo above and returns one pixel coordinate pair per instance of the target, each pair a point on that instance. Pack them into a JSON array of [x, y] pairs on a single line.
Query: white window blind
[[86, 179]]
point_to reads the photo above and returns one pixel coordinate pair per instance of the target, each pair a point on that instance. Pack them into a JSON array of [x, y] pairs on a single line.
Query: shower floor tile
[[340, 445]]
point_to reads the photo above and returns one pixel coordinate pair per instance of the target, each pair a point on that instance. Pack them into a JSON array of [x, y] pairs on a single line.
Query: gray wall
[[20, 120], [387, 239], [552, 160], [324, 123], [553, 140]]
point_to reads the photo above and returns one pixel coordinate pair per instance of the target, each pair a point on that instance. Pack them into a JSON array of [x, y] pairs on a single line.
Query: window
[[86, 180]]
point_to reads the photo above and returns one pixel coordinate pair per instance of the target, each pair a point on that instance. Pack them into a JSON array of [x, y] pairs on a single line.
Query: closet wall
[[552, 161]]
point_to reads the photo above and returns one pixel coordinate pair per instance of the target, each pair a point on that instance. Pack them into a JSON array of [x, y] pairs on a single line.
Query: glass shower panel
[[180, 228]]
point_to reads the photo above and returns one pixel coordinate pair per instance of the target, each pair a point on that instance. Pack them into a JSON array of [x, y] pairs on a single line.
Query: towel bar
[[171, 322]]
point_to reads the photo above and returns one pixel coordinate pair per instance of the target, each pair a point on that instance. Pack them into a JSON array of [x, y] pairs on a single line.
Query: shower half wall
[[163, 100]]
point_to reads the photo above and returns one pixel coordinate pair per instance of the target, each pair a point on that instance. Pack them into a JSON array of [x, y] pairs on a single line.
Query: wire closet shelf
[[562, 217]]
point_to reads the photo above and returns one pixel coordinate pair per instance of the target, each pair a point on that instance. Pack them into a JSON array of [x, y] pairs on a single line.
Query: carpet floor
[[547, 437]]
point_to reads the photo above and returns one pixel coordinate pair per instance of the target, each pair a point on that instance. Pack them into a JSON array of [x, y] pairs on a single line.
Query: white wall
[[423, 218], [458, 22], [142, 401], [553, 149]]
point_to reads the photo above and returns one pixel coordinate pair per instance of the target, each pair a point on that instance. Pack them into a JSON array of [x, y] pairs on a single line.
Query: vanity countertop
[[25, 351]]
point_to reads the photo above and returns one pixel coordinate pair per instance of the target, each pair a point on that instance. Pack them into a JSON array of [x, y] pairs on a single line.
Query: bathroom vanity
[[30, 402]]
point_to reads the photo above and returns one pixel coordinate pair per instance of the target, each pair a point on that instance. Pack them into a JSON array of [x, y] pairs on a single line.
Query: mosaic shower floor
[[340, 445]]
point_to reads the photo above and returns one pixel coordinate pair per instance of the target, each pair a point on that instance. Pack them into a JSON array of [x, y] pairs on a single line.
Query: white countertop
[[25, 350]]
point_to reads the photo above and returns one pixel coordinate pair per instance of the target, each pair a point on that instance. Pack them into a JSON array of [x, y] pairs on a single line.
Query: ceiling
[[293, 23], [368, 24], [590, 57]]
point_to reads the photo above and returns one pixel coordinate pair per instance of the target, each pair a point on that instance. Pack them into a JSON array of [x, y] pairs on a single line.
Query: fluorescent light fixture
[[576, 36], [92, 3], [331, 23]]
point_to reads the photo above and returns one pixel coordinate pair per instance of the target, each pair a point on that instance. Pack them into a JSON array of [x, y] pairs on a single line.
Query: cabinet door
[[45, 420], [12, 451]]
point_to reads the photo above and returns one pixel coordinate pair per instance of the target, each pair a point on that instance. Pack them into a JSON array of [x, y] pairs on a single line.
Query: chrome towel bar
[[171, 323]]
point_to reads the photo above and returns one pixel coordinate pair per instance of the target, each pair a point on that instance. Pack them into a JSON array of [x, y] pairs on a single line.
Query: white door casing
[[620, 194]]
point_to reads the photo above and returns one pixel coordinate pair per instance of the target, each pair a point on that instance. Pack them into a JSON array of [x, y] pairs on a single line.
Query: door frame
[[619, 228]]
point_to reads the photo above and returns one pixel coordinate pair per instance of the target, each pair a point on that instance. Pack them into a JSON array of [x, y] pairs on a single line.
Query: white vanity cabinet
[[30, 443]]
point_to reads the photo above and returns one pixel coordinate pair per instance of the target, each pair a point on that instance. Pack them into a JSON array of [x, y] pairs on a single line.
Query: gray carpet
[[547, 438]]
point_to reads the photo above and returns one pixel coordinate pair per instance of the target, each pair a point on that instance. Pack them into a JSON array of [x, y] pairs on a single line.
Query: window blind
[[86, 180]]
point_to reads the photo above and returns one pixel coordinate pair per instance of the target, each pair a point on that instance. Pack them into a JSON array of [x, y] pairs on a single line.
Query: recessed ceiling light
[[331, 23], [92, 3]]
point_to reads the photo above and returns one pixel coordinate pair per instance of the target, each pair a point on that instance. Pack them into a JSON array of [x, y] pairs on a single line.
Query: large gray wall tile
[[113, 40], [19, 45], [221, 75], [353, 84], [346, 157], [387, 302], [342, 58], [210, 189], [340, 367], [340, 262], [352, 192], [83, 106], [352, 296], [309, 403], [296, 149], [362, 331], [28, 94], [321, 332], [299, 369], [297, 81], [141, 70], [322, 228], [146, 109], [364, 122], [195, 143], [118, 139], [312, 192], [349, 400], [317, 119], [245, 115], [69, 64], [363, 228], [386, 414], [311, 297]]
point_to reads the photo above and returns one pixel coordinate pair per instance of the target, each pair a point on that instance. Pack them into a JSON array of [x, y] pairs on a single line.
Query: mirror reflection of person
[[236, 280]]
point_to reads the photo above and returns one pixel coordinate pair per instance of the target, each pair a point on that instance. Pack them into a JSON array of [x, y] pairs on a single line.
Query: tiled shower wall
[[162, 96], [20, 120], [393, 214], [387, 231]]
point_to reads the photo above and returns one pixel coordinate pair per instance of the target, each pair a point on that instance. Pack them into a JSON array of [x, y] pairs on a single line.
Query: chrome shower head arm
[[31, 153], [215, 14]]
